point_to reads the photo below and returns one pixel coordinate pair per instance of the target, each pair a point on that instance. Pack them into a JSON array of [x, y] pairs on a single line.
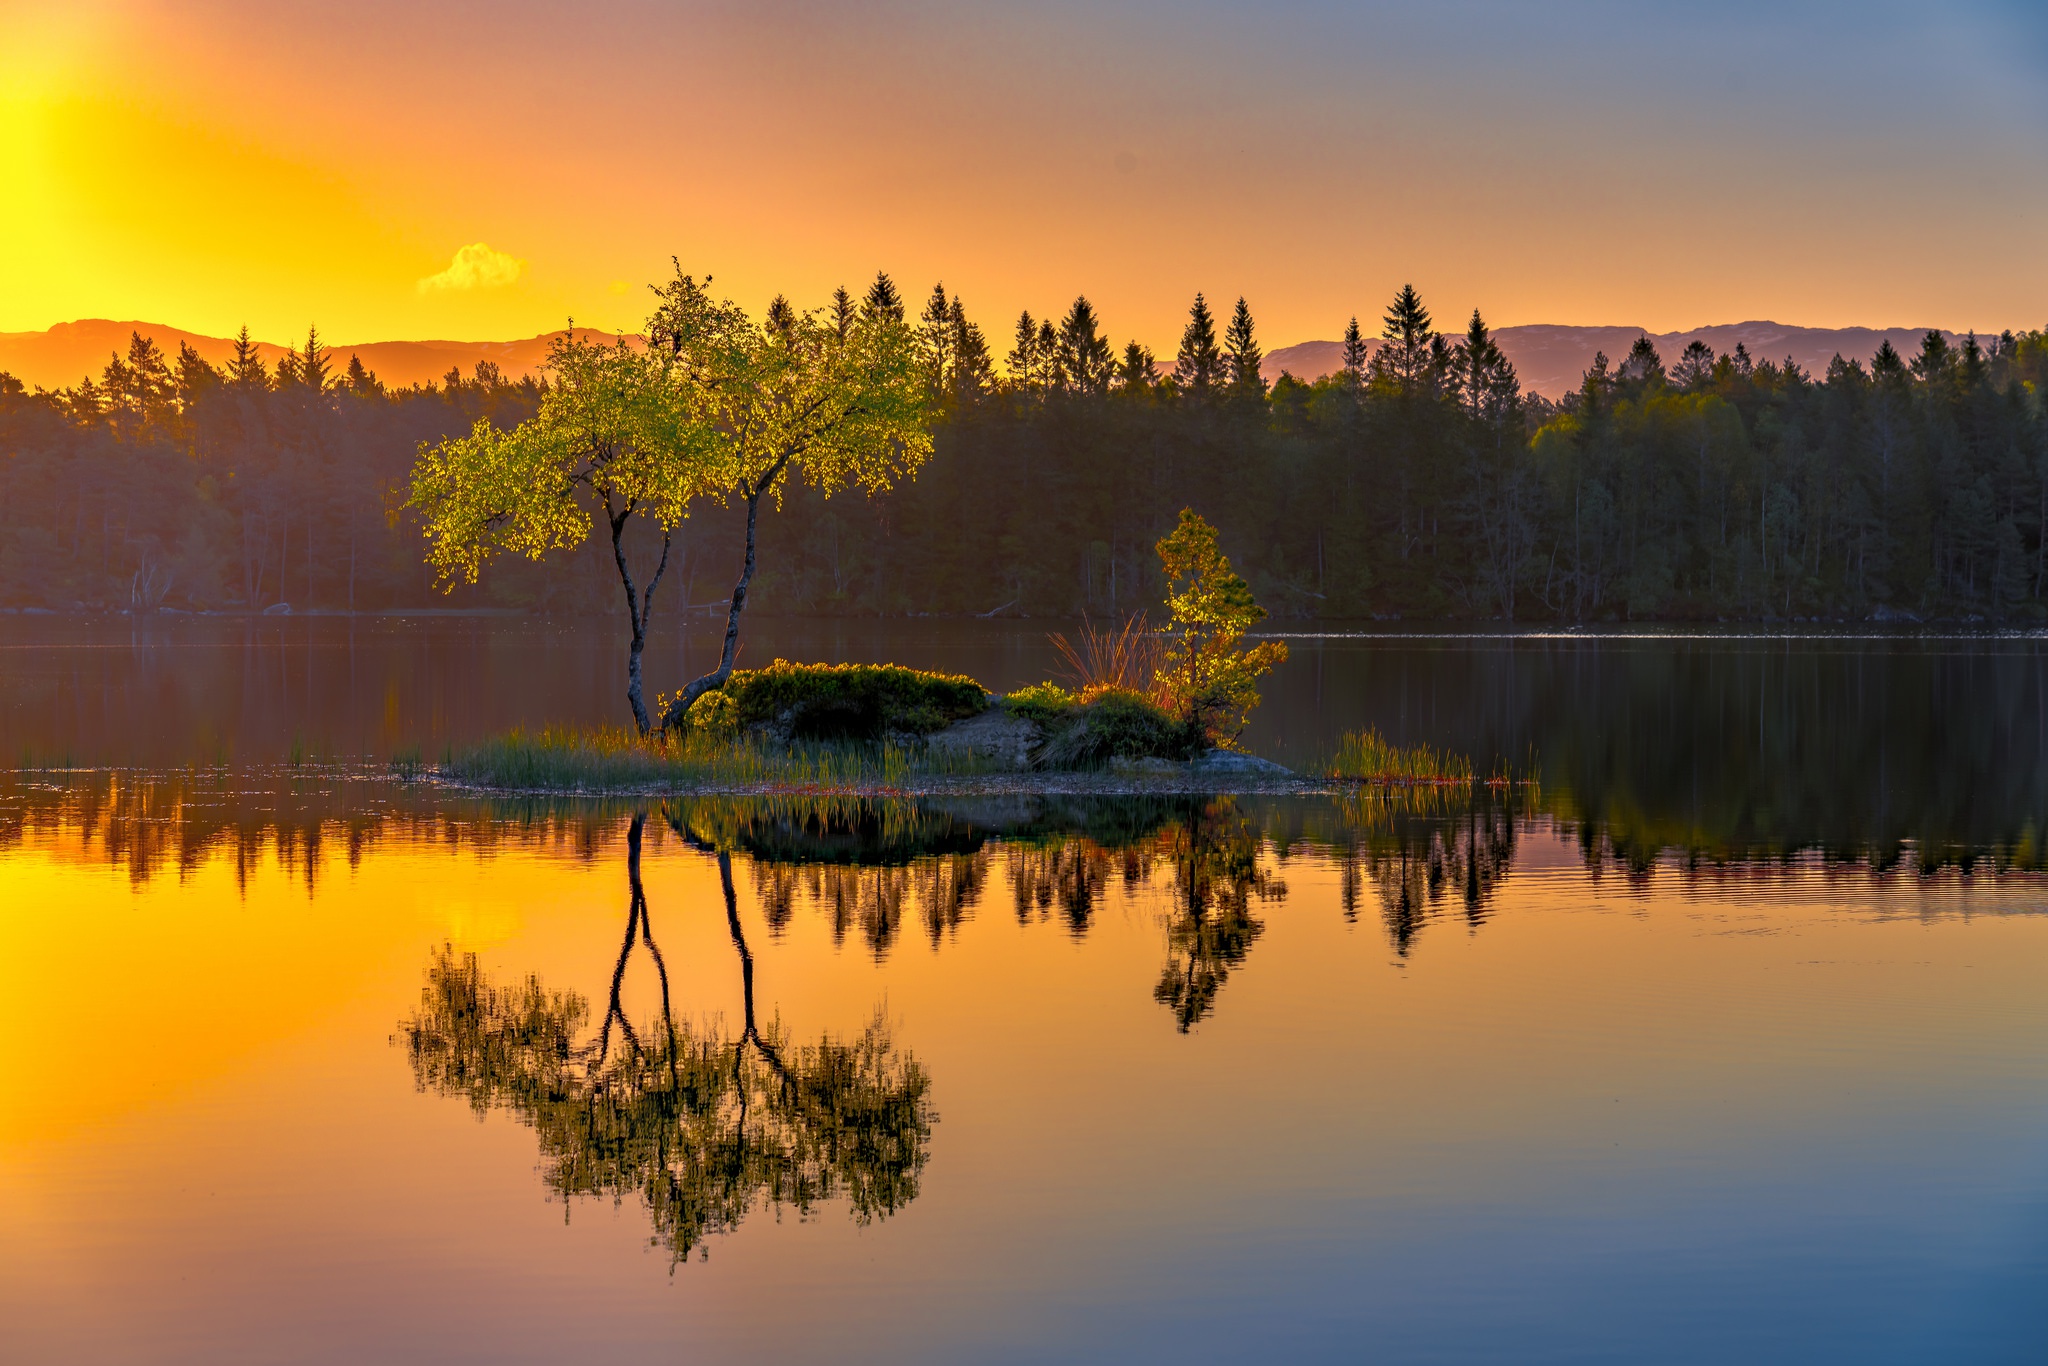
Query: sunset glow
[[211, 165]]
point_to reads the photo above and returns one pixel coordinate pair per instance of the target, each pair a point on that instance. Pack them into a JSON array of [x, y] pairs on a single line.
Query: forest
[[1417, 483]]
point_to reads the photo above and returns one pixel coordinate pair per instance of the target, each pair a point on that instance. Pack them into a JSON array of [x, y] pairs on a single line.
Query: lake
[[1721, 1038]]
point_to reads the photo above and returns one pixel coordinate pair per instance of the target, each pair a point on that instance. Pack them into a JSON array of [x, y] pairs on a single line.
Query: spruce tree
[[973, 372], [1243, 356], [882, 300], [1695, 368], [842, 312], [1085, 363], [1198, 368], [936, 323], [1139, 372], [1642, 366], [1405, 358], [245, 366], [1356, 353], [1023, 358], [314, 365]]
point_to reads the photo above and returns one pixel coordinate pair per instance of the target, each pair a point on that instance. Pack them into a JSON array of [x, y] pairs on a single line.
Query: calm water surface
[[1726, 1041]]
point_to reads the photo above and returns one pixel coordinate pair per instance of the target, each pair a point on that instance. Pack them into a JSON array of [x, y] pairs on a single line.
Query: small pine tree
[[360, 380], [1023, 358], [843, 312], [882, 300], [973, 371], [314, 366], [1085, 363], [1642, 366], [1356, 353], [1242, 355], [1695, 368], [1210, 680], [1405, 359], [1198, 368], [936, 324], [245, 367], [1139, 372]]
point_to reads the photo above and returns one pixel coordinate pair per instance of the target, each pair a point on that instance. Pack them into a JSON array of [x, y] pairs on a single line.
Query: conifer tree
[[882, 300], [1023, 358], [1085, 364], [195, 376], [1356, 353], [936, 325], [1242, 355], [1480, 373], [1139, 372], [1695, 368], [973, 371], [843, 311], [1198, 368], [359, 379], [1405, 358], [1642, 366], [314, 366], [245, 367]]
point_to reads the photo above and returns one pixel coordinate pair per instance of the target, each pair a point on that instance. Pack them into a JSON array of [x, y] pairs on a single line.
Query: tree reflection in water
[[702, 1126], [1215, 853]]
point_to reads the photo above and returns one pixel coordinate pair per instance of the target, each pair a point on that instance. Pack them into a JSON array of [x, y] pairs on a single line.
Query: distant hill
[[68, 352], [1550, 358]]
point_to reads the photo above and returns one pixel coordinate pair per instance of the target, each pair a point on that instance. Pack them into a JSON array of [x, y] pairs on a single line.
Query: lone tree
[[615, 430], [1209, 678], [837, 397]]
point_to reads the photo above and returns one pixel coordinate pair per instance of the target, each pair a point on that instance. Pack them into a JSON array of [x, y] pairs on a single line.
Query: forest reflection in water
[[698, 1024]]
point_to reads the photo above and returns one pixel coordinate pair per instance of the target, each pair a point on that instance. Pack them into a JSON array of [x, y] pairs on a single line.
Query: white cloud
[[476, 266]]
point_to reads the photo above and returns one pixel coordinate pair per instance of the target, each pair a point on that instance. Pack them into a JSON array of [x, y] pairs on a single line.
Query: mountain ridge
[[1549, 357]]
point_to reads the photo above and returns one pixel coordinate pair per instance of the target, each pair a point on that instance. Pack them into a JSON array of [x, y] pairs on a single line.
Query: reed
[[1123, 658], [1367, 756]]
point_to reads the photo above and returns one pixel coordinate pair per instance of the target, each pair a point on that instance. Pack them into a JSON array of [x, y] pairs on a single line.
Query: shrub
[[838, 701], [1114, 723]]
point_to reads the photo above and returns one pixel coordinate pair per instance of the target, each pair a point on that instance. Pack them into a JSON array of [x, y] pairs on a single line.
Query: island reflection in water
[[1397, 1064]]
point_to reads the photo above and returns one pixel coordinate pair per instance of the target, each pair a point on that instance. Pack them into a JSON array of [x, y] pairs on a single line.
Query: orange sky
[[210, 164]]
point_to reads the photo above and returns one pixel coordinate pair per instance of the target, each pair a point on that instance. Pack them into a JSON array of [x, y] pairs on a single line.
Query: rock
[[1238, 763], [994, 735], [1892, 614]]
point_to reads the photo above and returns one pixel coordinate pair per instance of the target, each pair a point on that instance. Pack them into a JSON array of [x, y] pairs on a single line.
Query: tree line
[[1418, 482]]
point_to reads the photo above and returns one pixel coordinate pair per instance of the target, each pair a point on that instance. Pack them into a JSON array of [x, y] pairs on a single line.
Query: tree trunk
[[717, 677], [638, 609]]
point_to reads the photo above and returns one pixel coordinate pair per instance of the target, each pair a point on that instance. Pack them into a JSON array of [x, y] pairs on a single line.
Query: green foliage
[[838, 407], [614, 425], [1208, 677], [839, 701], [1042, 703]]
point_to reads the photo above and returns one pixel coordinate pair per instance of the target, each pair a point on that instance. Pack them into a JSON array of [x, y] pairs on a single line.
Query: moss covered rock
[[858, 702]]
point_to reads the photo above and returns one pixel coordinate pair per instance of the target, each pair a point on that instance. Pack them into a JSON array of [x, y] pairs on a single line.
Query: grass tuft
[[1367, 756], [614, 759]]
